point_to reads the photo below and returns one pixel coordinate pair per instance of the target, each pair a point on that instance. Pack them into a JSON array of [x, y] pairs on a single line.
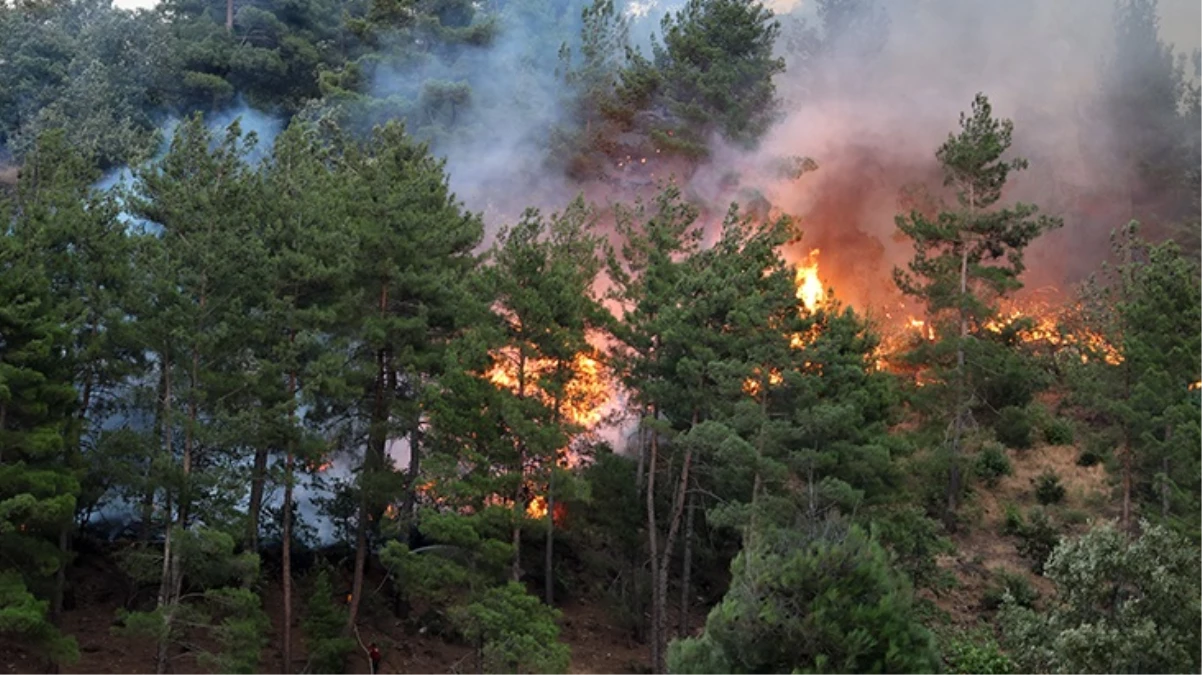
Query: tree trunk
[[652, 545], [229, 16], [409, 507], [661, 666], [548, 573], [255, 508], [372, 457], [286, 525], [519, 502], [74, 451], [1126, 517], [954, 479], [162, 653], [687, 566]]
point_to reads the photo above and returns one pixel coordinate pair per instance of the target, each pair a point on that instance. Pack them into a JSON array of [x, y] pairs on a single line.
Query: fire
[[321, 467], [391, 512], [1042, 327], [537, 508], [809, 286], [585, 396], [1194, 386], [751, 386]]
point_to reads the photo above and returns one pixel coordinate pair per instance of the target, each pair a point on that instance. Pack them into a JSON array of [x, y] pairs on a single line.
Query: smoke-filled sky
[[872, 119]]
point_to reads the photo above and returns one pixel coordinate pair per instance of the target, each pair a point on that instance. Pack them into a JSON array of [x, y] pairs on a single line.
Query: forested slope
[[516, 336]]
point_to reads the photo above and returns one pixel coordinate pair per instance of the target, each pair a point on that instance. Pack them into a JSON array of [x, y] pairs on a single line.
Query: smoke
[[872, 108], [869, 100]]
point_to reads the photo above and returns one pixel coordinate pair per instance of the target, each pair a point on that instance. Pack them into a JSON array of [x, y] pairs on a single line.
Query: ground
[[981, 548]]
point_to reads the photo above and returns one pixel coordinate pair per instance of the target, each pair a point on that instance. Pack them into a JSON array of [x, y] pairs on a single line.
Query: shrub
[[323, 627], [976, 652], [1009, 582], [1013, 428], [1089, 457], [1048, 489], [992, 463], [1037, 540], [1012, 520], [1058, 431]]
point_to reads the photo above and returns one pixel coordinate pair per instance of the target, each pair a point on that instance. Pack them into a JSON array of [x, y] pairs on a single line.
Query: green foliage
[[1037, 539], [991, 464], [1148, 307], [716, 66], [23, 617], [975, 652], [221, 602], [966, 257], [1121, 605], [324, 625], [1048, 489], [831, 603], [1012, 585], [1012, 520], [1059, 431], [914, 541], [513, 632], [1013, 428]]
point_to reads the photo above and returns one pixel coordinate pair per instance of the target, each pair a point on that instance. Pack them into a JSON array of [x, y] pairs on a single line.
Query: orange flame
[[751, 386], [537, 508], [585, 396], [1194, 386], [810, 291]]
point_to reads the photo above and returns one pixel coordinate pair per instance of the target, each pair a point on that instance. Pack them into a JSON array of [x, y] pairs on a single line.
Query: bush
[[1013, 428], [323, 628], [827, 605], [1121, 605], [1009, 582], [976, 652], [1058, 431], [1012, 520], [992, 463], [1037, 540], [1089, 457], [1048, 489]]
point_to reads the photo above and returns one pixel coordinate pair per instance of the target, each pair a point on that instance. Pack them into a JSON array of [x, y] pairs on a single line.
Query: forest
[[583, 336]]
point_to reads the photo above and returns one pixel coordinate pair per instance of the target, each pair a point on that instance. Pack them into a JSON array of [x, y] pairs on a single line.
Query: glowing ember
[[391, 512], [1041, 326], [1194, 386], [537, 508], [751, 386], [809, 287], [321, 467]]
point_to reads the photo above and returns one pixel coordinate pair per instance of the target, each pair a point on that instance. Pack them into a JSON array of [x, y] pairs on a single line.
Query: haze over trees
[[278, 396]]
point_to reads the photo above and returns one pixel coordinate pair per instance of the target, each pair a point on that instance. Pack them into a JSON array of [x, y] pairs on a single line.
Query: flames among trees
[[321, 302]]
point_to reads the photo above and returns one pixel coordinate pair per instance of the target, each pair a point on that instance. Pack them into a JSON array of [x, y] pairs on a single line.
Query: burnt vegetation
[[484, 332]]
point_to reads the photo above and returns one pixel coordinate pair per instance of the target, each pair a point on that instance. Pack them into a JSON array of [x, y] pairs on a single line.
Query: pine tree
[[87, 254], [202, 271], [418, 249], [646, 270], [544, 274], [37, 406], [716, 66], [965, 258], [310, 258], [807, 603], [1143, 384]]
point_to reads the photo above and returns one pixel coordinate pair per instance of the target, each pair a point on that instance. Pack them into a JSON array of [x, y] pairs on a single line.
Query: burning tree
[[966, 257], [543, 276]]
